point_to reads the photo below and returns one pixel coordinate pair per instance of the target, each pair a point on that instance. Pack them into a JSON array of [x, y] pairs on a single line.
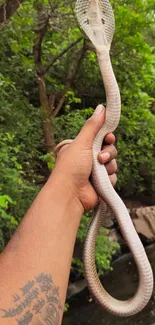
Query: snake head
[[96, 18]]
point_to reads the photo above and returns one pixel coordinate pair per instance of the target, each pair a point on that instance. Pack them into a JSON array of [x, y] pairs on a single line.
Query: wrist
[[64, 193]]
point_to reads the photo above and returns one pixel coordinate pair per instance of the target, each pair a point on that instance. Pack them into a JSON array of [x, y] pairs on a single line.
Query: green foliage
[[16, 192], [136, 145], [69, 125], [105, 249], [49, 159], [18, 157], [66, 307], [7, 221]]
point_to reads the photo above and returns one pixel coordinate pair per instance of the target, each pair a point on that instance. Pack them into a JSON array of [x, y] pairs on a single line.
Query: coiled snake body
[[97, 20]]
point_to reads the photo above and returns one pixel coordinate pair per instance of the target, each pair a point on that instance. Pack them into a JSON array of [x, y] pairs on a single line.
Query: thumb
[[92, 126]]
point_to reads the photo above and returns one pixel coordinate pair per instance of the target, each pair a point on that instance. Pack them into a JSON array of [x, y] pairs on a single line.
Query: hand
[[74, 162]]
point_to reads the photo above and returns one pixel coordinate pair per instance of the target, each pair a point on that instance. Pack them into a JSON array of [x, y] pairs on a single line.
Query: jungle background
[[49, 85]]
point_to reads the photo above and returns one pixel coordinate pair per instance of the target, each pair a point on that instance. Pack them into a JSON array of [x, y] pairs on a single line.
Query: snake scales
[[96, 18]]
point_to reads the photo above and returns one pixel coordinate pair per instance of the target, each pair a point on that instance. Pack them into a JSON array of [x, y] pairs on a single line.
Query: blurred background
[[49, 85]]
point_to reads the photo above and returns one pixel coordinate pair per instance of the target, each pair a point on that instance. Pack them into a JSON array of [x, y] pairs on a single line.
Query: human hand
[[74, 161]]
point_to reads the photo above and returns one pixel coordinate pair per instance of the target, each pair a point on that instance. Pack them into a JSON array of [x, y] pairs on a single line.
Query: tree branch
[[8, 9], [42, 25], [78, 57], [40, 31], [57, 57]]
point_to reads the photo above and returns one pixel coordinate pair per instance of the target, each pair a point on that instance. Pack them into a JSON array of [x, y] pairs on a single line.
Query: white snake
[[97, 20]]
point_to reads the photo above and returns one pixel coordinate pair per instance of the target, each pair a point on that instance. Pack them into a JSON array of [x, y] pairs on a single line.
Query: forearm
[[43, 244], [34, 267]]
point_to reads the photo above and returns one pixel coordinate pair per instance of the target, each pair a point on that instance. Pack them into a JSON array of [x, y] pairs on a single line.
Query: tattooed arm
[[34, 267]]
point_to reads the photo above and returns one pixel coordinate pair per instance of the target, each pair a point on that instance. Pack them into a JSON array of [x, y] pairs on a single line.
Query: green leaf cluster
[[105, 249]]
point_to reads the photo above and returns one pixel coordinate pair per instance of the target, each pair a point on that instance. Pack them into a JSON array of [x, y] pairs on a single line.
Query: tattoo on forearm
[[37, 303]]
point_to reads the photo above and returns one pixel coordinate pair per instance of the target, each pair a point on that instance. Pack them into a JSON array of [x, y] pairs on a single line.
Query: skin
[[35, 265]]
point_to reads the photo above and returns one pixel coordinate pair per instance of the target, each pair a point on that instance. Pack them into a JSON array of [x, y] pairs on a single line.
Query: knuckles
[[111, 167]]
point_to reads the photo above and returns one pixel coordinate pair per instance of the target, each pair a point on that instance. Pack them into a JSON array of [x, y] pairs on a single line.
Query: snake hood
[[97, 20]]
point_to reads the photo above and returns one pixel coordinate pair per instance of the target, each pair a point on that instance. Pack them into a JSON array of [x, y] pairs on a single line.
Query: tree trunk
[[48, 136], [45, 100], [8, 9], [42, 27], [47, 127]]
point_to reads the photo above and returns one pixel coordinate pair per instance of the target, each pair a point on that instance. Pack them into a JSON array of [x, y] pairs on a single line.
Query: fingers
[[111, 167], [108, 157], [113, 179], [107, 154], [91, 127], [110, 138]]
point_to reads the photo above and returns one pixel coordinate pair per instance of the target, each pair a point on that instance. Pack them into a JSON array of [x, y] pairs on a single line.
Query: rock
[[75, 288], [108, 220], [144, 221]]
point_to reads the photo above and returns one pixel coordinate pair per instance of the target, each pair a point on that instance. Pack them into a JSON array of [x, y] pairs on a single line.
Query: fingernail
[[99, 110], [105, 156]]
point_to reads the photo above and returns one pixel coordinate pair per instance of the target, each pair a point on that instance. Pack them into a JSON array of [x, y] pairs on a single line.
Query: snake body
[[97, 20]]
